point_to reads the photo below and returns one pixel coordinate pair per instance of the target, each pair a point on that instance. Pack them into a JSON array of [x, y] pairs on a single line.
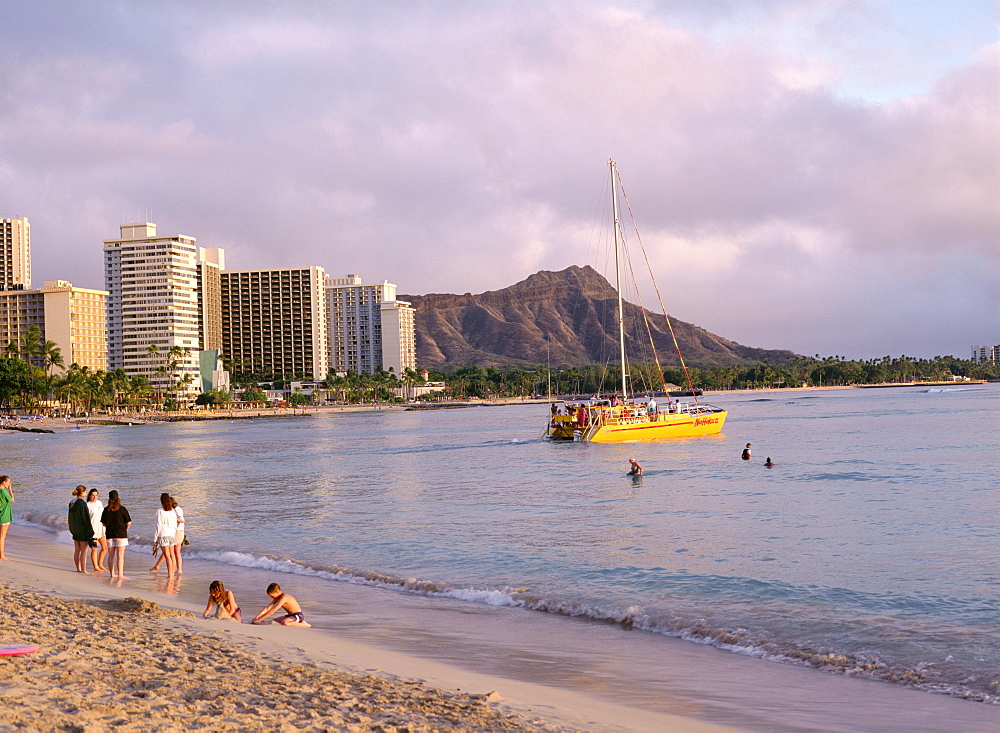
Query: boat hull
[[621, 427], [669, 426]]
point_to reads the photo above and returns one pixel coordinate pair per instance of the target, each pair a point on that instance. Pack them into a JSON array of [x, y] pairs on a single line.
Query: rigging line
[[673, 336], [645, 319]]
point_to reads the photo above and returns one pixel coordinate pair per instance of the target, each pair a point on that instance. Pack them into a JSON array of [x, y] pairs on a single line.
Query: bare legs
[[80, 556], [97, 555], [168, 555], [3, 540], [161, 558], [116, 561]]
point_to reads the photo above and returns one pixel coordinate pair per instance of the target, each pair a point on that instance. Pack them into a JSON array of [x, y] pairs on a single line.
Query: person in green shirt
[[6, 514], [81, 528]]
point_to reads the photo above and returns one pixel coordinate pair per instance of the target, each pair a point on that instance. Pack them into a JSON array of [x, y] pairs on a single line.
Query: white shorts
[[166, 541], [117, 542]]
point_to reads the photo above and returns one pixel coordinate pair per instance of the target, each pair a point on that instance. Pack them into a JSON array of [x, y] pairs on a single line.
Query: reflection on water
[[874, 536]]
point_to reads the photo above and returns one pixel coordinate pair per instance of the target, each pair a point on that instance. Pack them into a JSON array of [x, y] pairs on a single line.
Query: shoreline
[[43, 424], [405, 637], [156, 657], [159, 666]]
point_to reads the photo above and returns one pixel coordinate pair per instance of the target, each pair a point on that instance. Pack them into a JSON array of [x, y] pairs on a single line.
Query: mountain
[[566, 318]]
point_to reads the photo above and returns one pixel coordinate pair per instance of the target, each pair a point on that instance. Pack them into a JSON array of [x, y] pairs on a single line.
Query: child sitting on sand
[[224, 602], [286, 603]]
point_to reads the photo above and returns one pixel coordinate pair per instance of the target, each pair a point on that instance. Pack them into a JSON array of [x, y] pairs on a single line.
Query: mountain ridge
[[566, 318]]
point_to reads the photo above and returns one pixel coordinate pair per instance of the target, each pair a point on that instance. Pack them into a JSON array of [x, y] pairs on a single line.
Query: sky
[[814, 175]]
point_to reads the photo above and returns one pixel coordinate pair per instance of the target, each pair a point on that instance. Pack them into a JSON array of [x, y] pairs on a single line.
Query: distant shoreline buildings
[[985, 354], [172, 313]]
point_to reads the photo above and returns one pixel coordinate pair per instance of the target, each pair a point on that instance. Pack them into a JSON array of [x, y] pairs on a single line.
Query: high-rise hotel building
[[15, 254], [156, 299], [274, 322], [369, 328], [75, 319], [72, 318]]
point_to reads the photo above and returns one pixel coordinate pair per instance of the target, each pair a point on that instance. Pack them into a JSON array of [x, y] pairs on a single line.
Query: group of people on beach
[[104, 530]]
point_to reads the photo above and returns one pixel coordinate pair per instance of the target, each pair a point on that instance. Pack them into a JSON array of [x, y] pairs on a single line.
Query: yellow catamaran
[[620, 418]]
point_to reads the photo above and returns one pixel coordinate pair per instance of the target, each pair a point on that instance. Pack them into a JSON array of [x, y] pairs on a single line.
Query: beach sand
[[383, 660], [130, 665], [109, 657]]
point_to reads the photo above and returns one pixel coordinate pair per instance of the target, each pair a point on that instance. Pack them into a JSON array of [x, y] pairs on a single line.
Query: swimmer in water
[[768, 462], [746, 453], [636, 468]]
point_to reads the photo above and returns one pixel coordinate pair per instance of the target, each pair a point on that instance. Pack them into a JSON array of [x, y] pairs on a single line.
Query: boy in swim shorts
[[285, 602]]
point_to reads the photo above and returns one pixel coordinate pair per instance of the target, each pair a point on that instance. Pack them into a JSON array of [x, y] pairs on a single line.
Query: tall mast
[[618, 280]]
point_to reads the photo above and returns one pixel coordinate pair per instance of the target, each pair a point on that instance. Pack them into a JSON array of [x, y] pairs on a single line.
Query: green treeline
[[33, 374], [477, 381]]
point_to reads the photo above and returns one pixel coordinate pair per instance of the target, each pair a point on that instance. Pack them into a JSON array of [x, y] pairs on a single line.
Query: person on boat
[[636, 468], [768, 463], [746, 453]]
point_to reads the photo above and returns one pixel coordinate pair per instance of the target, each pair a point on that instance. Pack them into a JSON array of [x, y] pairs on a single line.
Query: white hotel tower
[[15, 254], [369, 328], [154, 298]]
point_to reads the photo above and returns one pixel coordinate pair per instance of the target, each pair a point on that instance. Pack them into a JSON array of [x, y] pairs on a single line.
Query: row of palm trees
[[28, 378], [376, 386]]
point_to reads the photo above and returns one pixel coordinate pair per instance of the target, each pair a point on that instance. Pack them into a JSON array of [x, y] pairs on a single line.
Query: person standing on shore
[[95, 507], [178, 540], [81, 528], [116, 521], [6, 512], [179, 536], [164, 532]]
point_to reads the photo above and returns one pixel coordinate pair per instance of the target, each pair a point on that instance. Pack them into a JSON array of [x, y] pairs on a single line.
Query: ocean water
[[869, 549]]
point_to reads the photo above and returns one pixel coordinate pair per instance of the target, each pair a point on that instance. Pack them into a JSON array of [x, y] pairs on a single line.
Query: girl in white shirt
[[97, 553], [164, 533], [178, 540]]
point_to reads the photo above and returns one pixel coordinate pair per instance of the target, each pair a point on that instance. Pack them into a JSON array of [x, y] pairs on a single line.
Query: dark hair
[[165, 501], [114, 503], [4, 480], [92, 491], [273, 587], [173, 503]]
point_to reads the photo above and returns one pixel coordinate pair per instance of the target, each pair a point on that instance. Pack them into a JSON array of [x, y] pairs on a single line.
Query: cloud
[[462, 147]]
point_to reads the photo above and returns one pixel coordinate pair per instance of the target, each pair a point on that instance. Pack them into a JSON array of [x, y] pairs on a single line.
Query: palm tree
[[51, 356], [151, 352], [115, 382], [137, 387]]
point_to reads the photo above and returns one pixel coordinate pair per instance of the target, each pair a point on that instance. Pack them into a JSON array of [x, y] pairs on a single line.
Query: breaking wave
[[925, 675]]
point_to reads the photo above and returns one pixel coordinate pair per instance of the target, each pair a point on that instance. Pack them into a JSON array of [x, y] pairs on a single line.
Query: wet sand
[[452, 664], [130, 665], [120, 655]]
